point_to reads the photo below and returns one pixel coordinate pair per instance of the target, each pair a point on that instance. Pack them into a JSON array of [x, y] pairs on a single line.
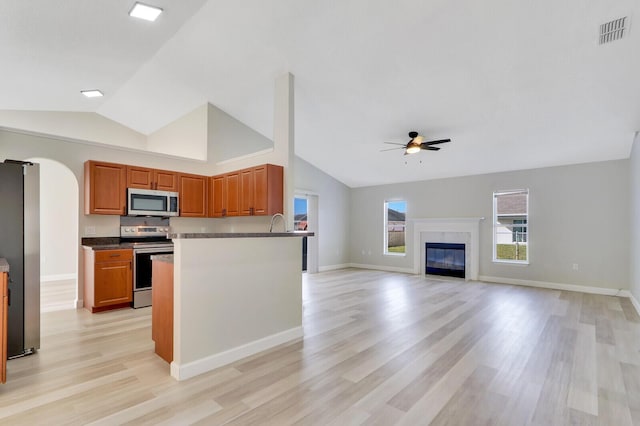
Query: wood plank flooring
[[379, 349]]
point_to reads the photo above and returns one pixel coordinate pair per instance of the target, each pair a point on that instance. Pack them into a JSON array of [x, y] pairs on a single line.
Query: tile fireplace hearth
[[464, 231]]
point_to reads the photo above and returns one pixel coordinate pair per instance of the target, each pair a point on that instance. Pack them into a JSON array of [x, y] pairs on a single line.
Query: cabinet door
[[165, 180], [217, 196], [113, 283], [232, 190], [4, 309], [268, 190], [105, 188], [193, 195], [246, 192], [139, 177]]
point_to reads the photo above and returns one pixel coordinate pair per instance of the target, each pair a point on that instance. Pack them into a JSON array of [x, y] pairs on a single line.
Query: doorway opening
[[306, 219], [301, 223], [59, 205]]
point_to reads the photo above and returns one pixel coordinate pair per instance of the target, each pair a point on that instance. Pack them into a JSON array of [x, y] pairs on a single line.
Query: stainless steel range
[[146, 241]]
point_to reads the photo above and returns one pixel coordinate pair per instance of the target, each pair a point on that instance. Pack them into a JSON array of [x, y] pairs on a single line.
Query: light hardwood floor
[[379, 349], [57, 295]]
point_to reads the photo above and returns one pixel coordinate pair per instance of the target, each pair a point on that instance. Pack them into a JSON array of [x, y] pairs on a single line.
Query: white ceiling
[[515, 85]]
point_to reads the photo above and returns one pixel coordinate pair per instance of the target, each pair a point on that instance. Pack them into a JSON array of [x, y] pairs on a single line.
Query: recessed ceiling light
[[92, 93], [146, 12]]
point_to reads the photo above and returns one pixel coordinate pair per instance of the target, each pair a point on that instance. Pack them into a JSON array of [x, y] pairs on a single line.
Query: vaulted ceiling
[[515, 85]]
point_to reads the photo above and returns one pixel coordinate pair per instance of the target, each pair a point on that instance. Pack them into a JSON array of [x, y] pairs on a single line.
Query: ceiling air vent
[[613, 30]]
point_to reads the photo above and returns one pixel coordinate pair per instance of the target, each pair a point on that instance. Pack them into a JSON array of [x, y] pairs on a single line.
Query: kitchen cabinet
[[193, 195], [217, 196], [145, 178], [105, 188], [4, 311], [224, 195], [232, 192], [261, 190], [162, 312], [108, 282], [268, 190], [256, 191], [246, 192]]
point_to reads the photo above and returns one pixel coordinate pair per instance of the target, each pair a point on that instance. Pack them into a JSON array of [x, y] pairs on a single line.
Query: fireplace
[[460, 230], [446, 259]]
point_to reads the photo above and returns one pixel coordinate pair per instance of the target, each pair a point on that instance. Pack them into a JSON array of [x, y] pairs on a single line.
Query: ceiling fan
[[416, 144]]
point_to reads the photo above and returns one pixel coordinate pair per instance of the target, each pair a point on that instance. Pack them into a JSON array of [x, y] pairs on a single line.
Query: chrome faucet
[[273, 220]]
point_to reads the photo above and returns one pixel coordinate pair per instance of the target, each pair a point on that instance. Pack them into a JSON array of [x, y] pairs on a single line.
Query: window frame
[[385, 225], [495, 227]]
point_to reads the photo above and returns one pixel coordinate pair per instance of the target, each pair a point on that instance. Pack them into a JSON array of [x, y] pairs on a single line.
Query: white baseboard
[[635, 303], [58, 277], [382, 268], [557, 286], [332, 267], [211, 362], [79, 303]]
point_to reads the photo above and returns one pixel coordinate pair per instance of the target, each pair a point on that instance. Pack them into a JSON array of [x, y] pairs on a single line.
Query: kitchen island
[[235, 294]]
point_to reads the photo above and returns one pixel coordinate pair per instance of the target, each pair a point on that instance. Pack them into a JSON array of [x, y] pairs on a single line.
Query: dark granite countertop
[[4, 265], [188, 235], [115, 243]]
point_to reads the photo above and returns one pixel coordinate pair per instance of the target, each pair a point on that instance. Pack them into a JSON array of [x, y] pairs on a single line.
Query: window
[[510, 226], [395, 225]]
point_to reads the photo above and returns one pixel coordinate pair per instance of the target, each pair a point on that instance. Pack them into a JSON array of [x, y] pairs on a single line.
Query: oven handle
[[153, 250]]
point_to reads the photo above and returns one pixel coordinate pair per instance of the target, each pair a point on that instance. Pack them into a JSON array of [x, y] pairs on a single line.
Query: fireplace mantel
[[469, 226]]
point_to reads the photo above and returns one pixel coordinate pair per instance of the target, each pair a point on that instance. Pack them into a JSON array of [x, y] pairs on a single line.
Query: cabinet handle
[[224, 212], [114, 255], [251, 211]]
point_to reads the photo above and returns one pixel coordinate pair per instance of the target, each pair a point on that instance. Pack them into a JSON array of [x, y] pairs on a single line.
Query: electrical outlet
[[89, 230], [574, 266]]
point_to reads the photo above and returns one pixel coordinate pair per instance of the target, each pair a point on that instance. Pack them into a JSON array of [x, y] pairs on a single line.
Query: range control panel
[[143, 231]]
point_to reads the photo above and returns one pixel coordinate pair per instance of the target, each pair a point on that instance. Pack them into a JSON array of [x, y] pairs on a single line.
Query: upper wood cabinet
[[145, 178], [217, 196], [256, 191], [104, 188], [193, 195], [268, 190]]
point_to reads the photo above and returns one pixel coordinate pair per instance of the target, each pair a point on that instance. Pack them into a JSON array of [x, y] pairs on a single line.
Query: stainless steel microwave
[[148, 202]]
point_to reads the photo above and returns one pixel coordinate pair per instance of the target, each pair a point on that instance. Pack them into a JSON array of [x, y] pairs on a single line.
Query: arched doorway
[[59, 198]]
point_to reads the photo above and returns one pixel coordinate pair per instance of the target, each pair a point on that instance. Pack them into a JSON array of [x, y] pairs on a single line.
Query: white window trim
[[385, 233], [493, 225]]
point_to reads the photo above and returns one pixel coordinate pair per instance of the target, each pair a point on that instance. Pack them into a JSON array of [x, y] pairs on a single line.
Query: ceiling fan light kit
[[417, 143]]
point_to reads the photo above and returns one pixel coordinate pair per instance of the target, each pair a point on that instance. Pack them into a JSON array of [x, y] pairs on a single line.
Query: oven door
[[142, 273]]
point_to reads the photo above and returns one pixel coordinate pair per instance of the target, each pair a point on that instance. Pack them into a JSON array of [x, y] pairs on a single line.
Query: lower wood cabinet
[[4, 310], [108, 282], [162, 312]]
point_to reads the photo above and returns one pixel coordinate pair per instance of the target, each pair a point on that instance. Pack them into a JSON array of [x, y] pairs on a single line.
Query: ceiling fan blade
[[392, 149], [428, 143], [394, 143], [431, 148]]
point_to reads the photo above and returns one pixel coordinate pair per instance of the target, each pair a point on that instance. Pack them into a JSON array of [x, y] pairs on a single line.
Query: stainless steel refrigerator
[[20, 245]]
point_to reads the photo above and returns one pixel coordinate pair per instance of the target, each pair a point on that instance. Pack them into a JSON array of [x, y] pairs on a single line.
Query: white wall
[[224, 143], [635, 219], [58, 220], [185, 137], [80, 126], [577, 214], [333, 208]]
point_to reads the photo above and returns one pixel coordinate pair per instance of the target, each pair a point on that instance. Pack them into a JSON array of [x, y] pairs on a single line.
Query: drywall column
[[283, 138], [635, 221]]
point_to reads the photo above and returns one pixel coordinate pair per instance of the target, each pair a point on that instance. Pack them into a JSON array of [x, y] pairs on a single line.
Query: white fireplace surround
[[448, 230]]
